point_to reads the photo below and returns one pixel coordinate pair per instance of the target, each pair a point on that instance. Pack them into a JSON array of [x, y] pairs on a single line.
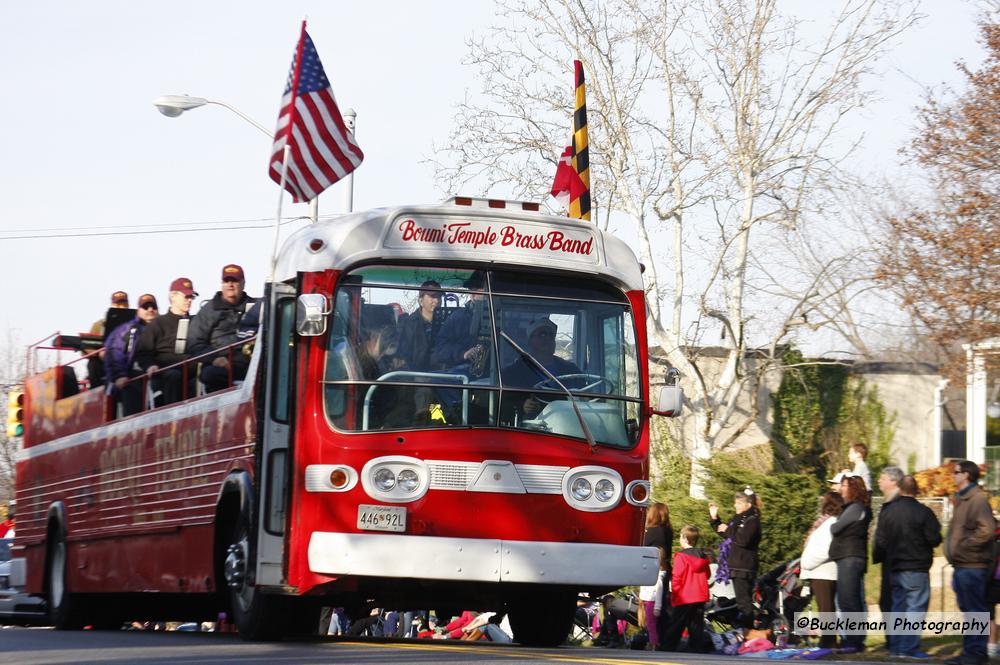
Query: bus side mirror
[[671, 401], [311, 311]]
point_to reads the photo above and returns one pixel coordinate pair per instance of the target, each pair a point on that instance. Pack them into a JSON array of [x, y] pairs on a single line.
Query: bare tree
[[12, 366], [714, 128]]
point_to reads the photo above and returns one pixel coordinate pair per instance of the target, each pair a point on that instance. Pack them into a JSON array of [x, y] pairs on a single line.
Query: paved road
[[44, 646]]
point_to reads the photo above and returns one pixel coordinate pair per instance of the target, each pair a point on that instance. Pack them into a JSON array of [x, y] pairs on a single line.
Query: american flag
[[322, 151]]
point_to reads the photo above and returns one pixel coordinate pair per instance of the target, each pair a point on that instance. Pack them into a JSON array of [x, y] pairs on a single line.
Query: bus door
[[272, 470]]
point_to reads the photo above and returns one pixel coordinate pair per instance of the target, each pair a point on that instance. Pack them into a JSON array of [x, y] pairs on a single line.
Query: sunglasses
[[188, 297], [149, 306]]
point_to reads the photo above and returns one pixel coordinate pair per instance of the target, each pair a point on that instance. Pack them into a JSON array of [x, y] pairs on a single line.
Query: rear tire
[[542, 619], [64, 607], [258, 616]]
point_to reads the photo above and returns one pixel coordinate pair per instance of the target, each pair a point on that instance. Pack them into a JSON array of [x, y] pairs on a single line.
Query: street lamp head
[[173, 105]]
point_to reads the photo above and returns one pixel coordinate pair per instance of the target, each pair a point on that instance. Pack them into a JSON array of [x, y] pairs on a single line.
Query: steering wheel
[[596, 380]]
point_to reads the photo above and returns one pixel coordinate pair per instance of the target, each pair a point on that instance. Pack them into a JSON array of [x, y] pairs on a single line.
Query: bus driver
[[525, 374]]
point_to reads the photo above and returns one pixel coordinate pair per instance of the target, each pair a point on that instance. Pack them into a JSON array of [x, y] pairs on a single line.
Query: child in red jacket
[[688, 594]]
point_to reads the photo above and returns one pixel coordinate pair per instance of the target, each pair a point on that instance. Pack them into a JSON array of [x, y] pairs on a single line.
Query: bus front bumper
[[481, 560]]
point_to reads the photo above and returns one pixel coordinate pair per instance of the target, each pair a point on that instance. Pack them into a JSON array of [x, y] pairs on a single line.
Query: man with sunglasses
[[164, 342], [216, 326], [969, 549], [119, 358]]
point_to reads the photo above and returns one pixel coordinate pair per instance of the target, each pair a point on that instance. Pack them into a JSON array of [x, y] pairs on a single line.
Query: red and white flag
[[567, 185], [322, 150]]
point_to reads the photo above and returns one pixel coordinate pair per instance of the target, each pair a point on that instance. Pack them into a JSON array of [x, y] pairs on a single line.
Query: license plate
[[381, 518]]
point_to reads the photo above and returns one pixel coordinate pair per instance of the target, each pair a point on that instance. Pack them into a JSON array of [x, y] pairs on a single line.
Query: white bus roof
[[451, 233]]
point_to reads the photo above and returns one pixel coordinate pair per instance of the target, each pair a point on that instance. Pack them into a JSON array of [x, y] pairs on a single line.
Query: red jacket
[[689, 582]]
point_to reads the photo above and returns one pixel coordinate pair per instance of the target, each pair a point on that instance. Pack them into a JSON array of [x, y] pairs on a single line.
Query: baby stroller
[[779, 594], [720, 610]]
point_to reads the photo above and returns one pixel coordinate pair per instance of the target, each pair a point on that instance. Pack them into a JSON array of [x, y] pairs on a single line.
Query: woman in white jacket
[[817, 567]]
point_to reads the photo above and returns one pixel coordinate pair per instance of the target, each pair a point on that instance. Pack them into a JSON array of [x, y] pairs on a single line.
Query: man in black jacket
[[164, 342], [888, 484], [905, 540], [218, 325]]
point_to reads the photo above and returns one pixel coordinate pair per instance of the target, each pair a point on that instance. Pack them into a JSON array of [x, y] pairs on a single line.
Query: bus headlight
[[592, 489], [384, 479], [395, 478], [604, 490], [582, 489], [408, 480]]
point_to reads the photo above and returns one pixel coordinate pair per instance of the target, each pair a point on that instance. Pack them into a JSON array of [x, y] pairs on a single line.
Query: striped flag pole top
[[321, 148], [579, 208]]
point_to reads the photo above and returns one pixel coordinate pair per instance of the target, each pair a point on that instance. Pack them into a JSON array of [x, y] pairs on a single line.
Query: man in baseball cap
[[120, 350], [217, 325], [164, 342], [526, 374], [119, 299]]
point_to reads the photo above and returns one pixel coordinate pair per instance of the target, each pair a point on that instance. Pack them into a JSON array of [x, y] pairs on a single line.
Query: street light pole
[[350, 116], [174, 105]]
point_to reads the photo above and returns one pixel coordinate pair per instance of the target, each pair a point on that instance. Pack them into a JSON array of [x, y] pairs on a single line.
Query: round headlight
[[408, 480], [604, 490], [581, 489], [384, 479]]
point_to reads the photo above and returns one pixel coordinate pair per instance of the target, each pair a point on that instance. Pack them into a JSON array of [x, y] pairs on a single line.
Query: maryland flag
[[579, 207]]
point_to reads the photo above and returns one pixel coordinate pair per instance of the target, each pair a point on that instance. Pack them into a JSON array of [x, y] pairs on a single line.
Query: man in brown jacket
[[969, 548]]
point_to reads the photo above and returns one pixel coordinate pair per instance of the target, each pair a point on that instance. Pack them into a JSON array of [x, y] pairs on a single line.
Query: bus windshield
[[419, 347]]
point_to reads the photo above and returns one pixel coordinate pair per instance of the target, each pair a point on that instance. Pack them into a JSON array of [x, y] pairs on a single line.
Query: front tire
[[258, 616], [542, 619]]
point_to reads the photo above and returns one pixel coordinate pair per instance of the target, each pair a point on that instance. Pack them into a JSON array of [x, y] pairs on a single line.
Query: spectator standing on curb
[[849, 548], [969, 549], [659, 533], [888, 484], [904, 541], [688, 595], [743, 530], [817, 567], [652, 597]]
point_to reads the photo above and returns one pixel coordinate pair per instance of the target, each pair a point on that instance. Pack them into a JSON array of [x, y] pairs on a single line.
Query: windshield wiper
[[572, 400]]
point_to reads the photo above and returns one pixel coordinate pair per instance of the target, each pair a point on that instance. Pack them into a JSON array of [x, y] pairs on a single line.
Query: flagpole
[[288, 147]]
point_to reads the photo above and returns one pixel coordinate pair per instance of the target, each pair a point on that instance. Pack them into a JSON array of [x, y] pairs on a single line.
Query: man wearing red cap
[[164, 342], [217, 325], [120, 348]]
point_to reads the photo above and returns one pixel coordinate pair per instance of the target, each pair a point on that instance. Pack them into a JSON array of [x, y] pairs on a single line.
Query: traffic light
[[15, 413]]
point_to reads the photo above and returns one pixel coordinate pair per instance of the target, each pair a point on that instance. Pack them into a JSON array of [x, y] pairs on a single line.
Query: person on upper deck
[[95, 364], [525, 374], [218, 325], [120, 349], [164, 342]]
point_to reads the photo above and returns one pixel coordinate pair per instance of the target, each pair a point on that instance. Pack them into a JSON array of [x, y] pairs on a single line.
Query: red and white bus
[[336, 473]]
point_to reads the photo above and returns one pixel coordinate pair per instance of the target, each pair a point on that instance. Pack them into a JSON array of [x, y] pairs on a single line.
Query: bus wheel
[[64, 611], [542, 619], [258, 616]]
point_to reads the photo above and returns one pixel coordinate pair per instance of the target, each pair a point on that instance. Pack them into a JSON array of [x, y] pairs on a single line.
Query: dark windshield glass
[[423, 347]]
